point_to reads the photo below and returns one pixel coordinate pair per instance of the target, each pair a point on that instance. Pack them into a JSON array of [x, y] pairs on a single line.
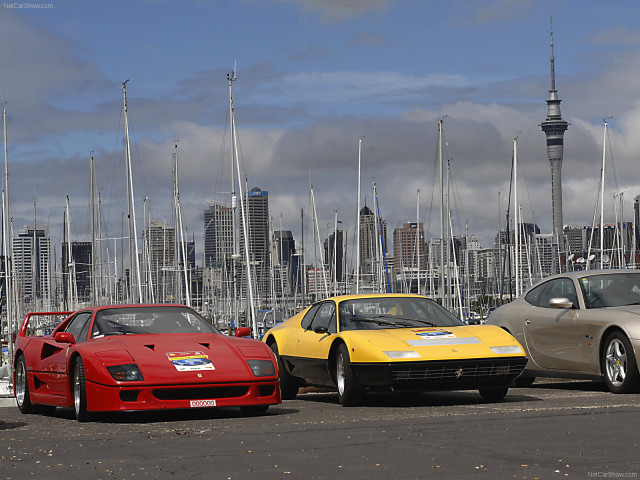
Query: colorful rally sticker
[[429, 333], [190, 361]]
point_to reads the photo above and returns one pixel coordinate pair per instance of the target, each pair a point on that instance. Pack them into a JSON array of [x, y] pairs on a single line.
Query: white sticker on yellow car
[[444, 341], [429, 333], [190, 361]]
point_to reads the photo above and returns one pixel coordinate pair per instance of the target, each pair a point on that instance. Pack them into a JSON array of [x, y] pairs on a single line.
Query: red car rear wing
[[27, 319]]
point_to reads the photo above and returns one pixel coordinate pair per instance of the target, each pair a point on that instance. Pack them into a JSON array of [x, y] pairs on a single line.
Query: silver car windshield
[[393, 312], [611, 290], [134, 320]]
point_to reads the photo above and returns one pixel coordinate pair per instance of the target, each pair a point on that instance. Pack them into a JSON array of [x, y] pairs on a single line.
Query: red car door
[[51, 362]]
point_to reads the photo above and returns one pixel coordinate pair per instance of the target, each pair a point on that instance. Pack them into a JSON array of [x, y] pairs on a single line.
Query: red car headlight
[[125, 373], [262, 368]]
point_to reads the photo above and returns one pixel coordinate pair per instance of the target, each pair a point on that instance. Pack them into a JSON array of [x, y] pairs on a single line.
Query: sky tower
[[554, 127]]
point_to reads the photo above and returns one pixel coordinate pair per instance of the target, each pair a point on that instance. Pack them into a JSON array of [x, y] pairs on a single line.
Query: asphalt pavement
[[551, 431]]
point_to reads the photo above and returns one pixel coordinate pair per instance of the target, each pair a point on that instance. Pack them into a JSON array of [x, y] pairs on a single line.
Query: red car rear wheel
[[22, 387]]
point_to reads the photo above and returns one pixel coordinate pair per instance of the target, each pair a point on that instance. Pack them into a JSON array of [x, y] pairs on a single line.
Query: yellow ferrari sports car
[[360, 343]]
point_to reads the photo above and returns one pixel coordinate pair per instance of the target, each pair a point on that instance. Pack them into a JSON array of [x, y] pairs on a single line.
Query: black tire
[[288, 385], [79, 391], [349, 390], [22, 387], [493, 394], [618, 364], [523, 381], [254, 409]]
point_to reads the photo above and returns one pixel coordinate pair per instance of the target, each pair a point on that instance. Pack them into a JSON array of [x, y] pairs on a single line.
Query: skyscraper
[[284, 246], [334, 255], [408, 243], [161, 244], [554, 127], [218, 234], [31, 254], [371, 236], [257, 218], [82, 259]]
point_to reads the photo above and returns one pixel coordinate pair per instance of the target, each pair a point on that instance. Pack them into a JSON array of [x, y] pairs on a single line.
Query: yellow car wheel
[[349, 391], [288, 385]]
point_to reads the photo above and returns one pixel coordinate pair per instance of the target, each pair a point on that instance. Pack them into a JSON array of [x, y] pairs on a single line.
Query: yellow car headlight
[[402, 354], [506, 350]]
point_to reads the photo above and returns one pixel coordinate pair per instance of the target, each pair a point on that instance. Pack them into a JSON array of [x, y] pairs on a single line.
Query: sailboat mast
[[604, 156], [516, 215], [317, 228], [101, 286], [335, 253], [234, 145], [442, 228], [358, 220], [418, 240], [7, 243], [34, 261], [131, 211], [231, 77], [71, 274], [182, 244], [92, 266]]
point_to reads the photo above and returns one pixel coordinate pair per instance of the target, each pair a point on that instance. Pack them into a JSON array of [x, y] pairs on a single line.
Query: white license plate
[[203, 403]]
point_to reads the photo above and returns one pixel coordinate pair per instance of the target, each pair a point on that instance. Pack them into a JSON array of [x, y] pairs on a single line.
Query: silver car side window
[[559, 288], [533, 297]]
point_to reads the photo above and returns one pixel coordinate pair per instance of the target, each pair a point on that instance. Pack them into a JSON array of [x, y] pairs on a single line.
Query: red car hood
[[181, 358]]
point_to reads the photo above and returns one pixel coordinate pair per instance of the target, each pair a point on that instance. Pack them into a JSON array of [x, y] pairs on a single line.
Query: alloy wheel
[[340, 374], [616, 362], [76, 389], [21, 383]]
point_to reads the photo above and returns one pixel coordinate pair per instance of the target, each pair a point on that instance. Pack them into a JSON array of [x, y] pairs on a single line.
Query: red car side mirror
[[243, 332], [65, 337]]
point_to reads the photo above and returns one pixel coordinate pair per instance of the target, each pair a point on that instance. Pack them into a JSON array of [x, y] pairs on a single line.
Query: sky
[[314, 77]]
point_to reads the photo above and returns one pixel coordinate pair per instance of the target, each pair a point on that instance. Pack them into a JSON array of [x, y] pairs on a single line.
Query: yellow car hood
[[431, 343]]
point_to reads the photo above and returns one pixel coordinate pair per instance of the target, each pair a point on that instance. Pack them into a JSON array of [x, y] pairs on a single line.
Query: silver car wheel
[[21, 384], [616, 362], [340, 374], [76, 390]]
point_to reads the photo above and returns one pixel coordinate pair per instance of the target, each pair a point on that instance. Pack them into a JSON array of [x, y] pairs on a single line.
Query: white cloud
[[338, 10]]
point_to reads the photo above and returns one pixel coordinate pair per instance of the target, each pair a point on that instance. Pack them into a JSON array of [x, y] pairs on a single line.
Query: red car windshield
[[133, 320]]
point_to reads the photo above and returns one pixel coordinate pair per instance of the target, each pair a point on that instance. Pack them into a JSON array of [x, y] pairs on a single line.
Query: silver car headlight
[[506, 350], [402, 354], [262, 368], [126, 373]]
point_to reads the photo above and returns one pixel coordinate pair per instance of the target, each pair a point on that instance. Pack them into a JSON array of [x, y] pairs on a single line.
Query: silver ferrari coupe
[[582, 324]]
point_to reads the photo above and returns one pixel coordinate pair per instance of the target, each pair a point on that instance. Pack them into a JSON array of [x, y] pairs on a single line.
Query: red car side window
[[78, 325]]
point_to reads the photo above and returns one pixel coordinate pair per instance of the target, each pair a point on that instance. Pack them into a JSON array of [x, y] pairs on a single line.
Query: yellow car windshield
[[393, 312]]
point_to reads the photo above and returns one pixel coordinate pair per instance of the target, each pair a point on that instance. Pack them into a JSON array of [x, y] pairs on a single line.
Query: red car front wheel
[[79, 391]]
